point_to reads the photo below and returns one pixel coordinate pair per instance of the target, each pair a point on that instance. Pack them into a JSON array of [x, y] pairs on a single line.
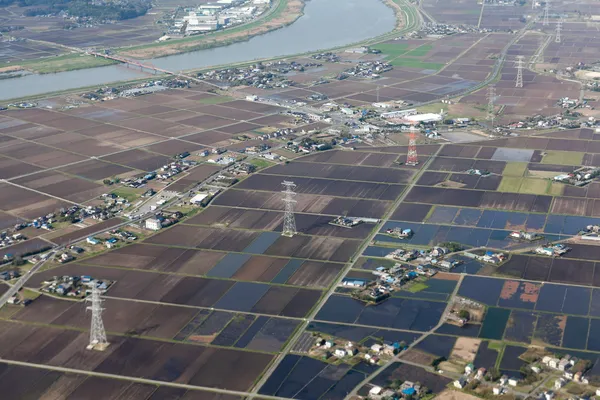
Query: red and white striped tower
[[412, 157]]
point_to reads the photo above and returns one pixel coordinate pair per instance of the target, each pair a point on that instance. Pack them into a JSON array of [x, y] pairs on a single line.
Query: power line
[[491, 96], [546, 13], [412, 157], [289, 221], [97, 333], [519, 80], [558, 29]]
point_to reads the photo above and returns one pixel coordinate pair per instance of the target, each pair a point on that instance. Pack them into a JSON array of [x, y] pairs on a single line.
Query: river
[[325, 24]]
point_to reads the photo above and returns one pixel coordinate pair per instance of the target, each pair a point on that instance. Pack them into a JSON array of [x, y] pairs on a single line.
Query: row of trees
[[84, 8]]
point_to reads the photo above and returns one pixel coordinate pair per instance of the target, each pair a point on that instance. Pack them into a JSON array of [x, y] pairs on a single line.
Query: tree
[[464, 314], [18, 261], [494, 373]]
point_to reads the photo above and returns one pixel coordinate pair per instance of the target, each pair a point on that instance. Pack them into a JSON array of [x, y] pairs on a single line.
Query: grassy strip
[[62, 63]]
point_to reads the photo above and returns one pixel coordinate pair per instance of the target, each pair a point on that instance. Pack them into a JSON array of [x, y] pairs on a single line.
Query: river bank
[[283, 13], [324, 25]]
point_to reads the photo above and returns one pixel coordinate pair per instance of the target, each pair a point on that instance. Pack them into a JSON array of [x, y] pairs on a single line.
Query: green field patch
[[510, 184], [391, 49], [514, 168], [563, 157], [420, 51], [129, 194], [556, 188], [62, 63], [417, 287], [415, 63], [215, 100], [260, 163], [534, 186]]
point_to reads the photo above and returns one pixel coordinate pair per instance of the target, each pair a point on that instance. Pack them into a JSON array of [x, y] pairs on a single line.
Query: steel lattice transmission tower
[[491, 96], [546, 13], [97, 333], [558, 29], [412, 157], [519, 80], [289, 221]]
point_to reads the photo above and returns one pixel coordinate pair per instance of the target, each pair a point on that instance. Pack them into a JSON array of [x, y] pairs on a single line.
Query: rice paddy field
[[223, 294]]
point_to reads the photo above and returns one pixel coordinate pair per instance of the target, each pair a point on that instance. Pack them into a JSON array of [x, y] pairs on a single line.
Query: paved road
[[335, 284], [22, 280]]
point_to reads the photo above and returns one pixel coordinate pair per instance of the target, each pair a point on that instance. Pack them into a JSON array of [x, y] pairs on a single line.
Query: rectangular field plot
[[410, 314], [362, 334], [19, 382], [327, 187], [325, 205], [308, 224], [226, 329], [192, 291], [494, 323], [549, 329], [305, 378], [520, 326], [341, 172], [237, 266], [144, 358]]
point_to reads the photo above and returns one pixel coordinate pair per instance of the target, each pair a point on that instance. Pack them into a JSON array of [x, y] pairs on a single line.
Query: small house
[[513, 381], [559, 383], [563, 364], [503, 380], [374, 360], [329, 344], [340, 353], [553, 363], [460, 383], [376, 348], [569, 375], [497, 390], [469, 368], [375, 391], [480, 373], [536, 369]]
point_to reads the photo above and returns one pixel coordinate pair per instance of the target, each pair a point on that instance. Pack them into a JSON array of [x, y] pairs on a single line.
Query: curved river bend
[[325, 24]]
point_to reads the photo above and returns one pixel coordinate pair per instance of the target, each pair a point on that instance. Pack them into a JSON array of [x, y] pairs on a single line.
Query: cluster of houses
[[434, 256], [556, 250], [489, 256], [579, 177], [471, 374], [372, 355], [407, 389], [280, 133], [175, 168], [388, 280], [8, 275], [528, 236], [7, 239], [162, 220], [367, 69], [349, 222], [74, 286], [400, 233]]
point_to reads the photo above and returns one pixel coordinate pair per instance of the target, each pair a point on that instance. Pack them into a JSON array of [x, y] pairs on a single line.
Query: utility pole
[[412, 157], [97, 333], [377, 93], [546, 13], [289, 221], [519, 80], [558, 29], [491, 96]]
